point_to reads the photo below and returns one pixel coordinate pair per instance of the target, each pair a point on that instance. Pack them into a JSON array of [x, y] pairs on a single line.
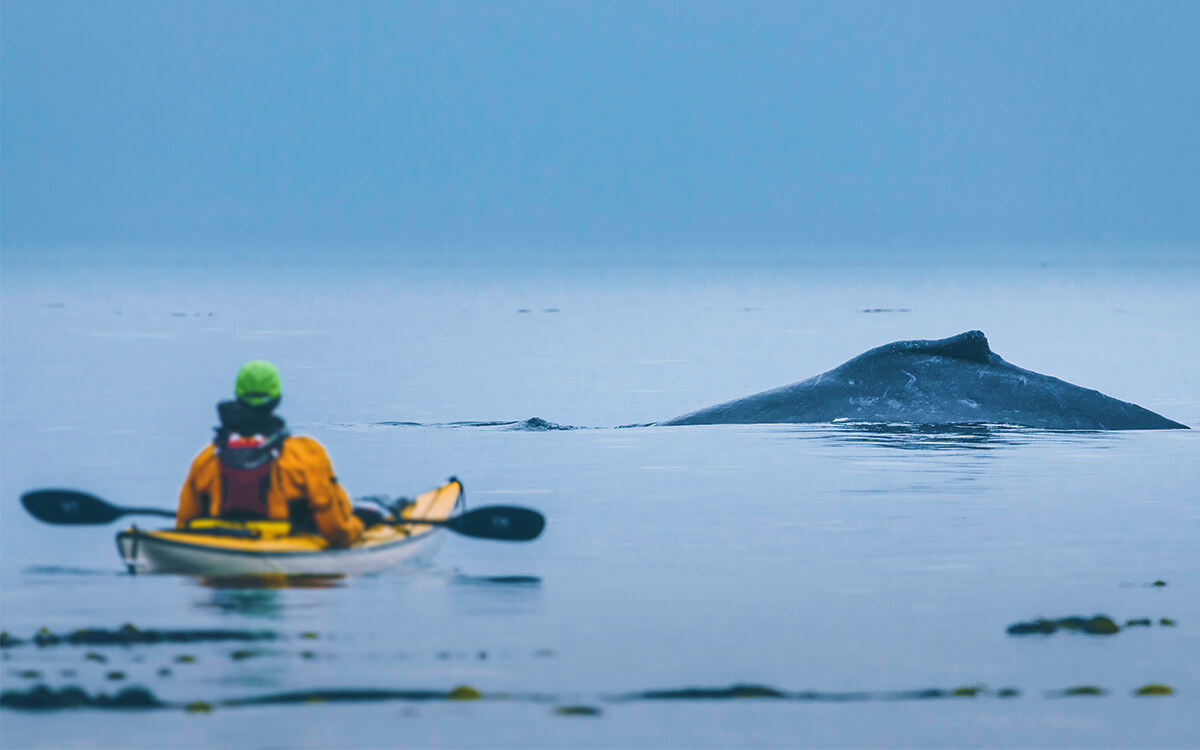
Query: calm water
[[806, 558]]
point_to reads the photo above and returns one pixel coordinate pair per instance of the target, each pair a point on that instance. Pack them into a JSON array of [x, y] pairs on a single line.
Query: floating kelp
[[1098, 625], [709, 694], [578, 711], [347, 695], [762, 691], [967, 691], [464, 693], [128, 635], [42, 698], [1141, 622]]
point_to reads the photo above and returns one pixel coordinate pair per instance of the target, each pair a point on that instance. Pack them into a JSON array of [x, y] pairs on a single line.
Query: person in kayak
[[255, 469]]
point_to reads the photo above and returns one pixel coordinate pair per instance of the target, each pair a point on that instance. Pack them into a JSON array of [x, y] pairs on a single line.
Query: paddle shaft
[[74, 508]]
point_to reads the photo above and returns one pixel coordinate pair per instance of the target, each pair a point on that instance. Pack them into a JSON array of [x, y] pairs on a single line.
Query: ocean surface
[[862, 578]]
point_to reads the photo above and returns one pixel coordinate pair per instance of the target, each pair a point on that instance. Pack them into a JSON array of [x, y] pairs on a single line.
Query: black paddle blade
[[69, 507], [502, 522]]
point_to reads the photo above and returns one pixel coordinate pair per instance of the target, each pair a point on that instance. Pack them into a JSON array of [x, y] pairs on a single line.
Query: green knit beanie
[[257, 383]]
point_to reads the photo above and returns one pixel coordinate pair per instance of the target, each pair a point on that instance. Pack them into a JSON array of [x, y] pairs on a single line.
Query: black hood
[[239, 417]]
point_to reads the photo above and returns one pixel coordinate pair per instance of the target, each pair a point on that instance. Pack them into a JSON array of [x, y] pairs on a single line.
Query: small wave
[[63, 570], [510, 580], [949, 436], [533, 424], [537, 424]]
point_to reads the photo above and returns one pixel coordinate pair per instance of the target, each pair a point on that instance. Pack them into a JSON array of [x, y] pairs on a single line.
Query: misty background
[[600, 130]]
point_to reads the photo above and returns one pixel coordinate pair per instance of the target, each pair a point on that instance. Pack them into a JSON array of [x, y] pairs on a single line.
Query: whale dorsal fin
[[971, 346]]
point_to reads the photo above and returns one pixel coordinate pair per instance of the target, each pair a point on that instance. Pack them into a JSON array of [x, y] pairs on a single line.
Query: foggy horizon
[[783, 131]]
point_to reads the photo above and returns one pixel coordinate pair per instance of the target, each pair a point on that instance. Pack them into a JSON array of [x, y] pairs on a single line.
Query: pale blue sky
[[395, 127]]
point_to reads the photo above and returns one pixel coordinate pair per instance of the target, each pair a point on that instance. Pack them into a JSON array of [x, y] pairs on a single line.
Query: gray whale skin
[[958, 380]]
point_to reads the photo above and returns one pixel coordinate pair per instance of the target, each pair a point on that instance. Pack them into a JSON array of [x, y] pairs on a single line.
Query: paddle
[[71, 507], [501, 522]]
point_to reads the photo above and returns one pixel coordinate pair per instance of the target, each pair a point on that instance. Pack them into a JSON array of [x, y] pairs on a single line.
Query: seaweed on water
[[42, 697], [699, 693], [578, 711], [1098, 625], [348, 695], [129, 635], [916, 695]]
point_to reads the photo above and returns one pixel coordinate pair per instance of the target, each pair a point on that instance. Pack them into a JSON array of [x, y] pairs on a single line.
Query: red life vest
[[245, 464]]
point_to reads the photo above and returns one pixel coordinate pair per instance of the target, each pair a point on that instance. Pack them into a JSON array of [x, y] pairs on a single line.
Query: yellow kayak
[[219, 548]]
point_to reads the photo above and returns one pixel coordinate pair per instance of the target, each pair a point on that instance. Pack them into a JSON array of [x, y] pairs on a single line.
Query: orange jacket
[[302, 471]]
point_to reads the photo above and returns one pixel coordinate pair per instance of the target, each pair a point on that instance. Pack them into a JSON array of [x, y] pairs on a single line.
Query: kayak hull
[[225, 554], [147, 552]]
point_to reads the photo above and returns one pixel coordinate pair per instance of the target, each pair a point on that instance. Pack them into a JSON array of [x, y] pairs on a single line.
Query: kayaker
[[255, 469]]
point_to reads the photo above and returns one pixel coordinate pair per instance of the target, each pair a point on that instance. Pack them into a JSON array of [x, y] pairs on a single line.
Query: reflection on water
[[930, 437], [53, 570], [497, 580], [497, 595], [258, 595], [272, 581]]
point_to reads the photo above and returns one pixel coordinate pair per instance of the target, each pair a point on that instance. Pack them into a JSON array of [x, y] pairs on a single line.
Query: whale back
[[953, 380], [971, 346]]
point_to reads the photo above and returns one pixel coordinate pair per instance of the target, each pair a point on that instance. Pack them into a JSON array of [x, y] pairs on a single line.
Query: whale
[[956, 380]]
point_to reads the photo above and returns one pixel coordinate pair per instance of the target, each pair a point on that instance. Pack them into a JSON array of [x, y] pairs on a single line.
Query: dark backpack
[[246, 449]]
